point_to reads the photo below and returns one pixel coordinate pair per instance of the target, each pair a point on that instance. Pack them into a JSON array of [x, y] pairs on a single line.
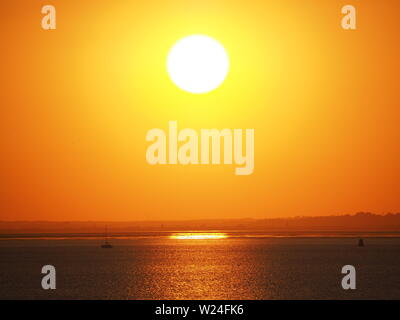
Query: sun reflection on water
[[198, 236]]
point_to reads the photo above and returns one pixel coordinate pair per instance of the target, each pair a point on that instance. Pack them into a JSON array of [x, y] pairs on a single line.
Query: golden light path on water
[[198, 236]]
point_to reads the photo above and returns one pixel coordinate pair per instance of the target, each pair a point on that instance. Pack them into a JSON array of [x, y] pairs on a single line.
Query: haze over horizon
[[359, 222], [382, 214]]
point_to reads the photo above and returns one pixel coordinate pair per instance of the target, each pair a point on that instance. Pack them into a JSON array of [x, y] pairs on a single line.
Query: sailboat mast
[[106, 244]]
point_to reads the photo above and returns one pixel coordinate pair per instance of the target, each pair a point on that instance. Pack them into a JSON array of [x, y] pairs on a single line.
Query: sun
[[198, 64]]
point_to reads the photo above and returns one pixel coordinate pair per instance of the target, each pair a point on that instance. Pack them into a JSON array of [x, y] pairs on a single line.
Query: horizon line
[[209, 219]]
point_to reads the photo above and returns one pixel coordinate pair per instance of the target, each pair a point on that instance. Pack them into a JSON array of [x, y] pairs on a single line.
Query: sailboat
[[106, 244]]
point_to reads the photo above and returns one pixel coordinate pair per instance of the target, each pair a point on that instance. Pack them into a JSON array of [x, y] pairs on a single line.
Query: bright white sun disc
[[198, 64]]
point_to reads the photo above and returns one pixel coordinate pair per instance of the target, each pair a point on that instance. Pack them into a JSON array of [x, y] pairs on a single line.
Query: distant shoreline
[[361, 222], [230, 234]]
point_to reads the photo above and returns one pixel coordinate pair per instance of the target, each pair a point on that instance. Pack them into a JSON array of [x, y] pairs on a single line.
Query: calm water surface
[[232, 268]]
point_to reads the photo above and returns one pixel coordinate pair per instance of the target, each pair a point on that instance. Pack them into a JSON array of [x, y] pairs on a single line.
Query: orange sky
[[77, 102]]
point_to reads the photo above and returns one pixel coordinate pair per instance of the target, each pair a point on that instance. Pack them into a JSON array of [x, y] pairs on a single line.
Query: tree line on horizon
[[360, 220]]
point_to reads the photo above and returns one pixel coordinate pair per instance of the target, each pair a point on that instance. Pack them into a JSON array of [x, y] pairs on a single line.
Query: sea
[[238, 267]]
